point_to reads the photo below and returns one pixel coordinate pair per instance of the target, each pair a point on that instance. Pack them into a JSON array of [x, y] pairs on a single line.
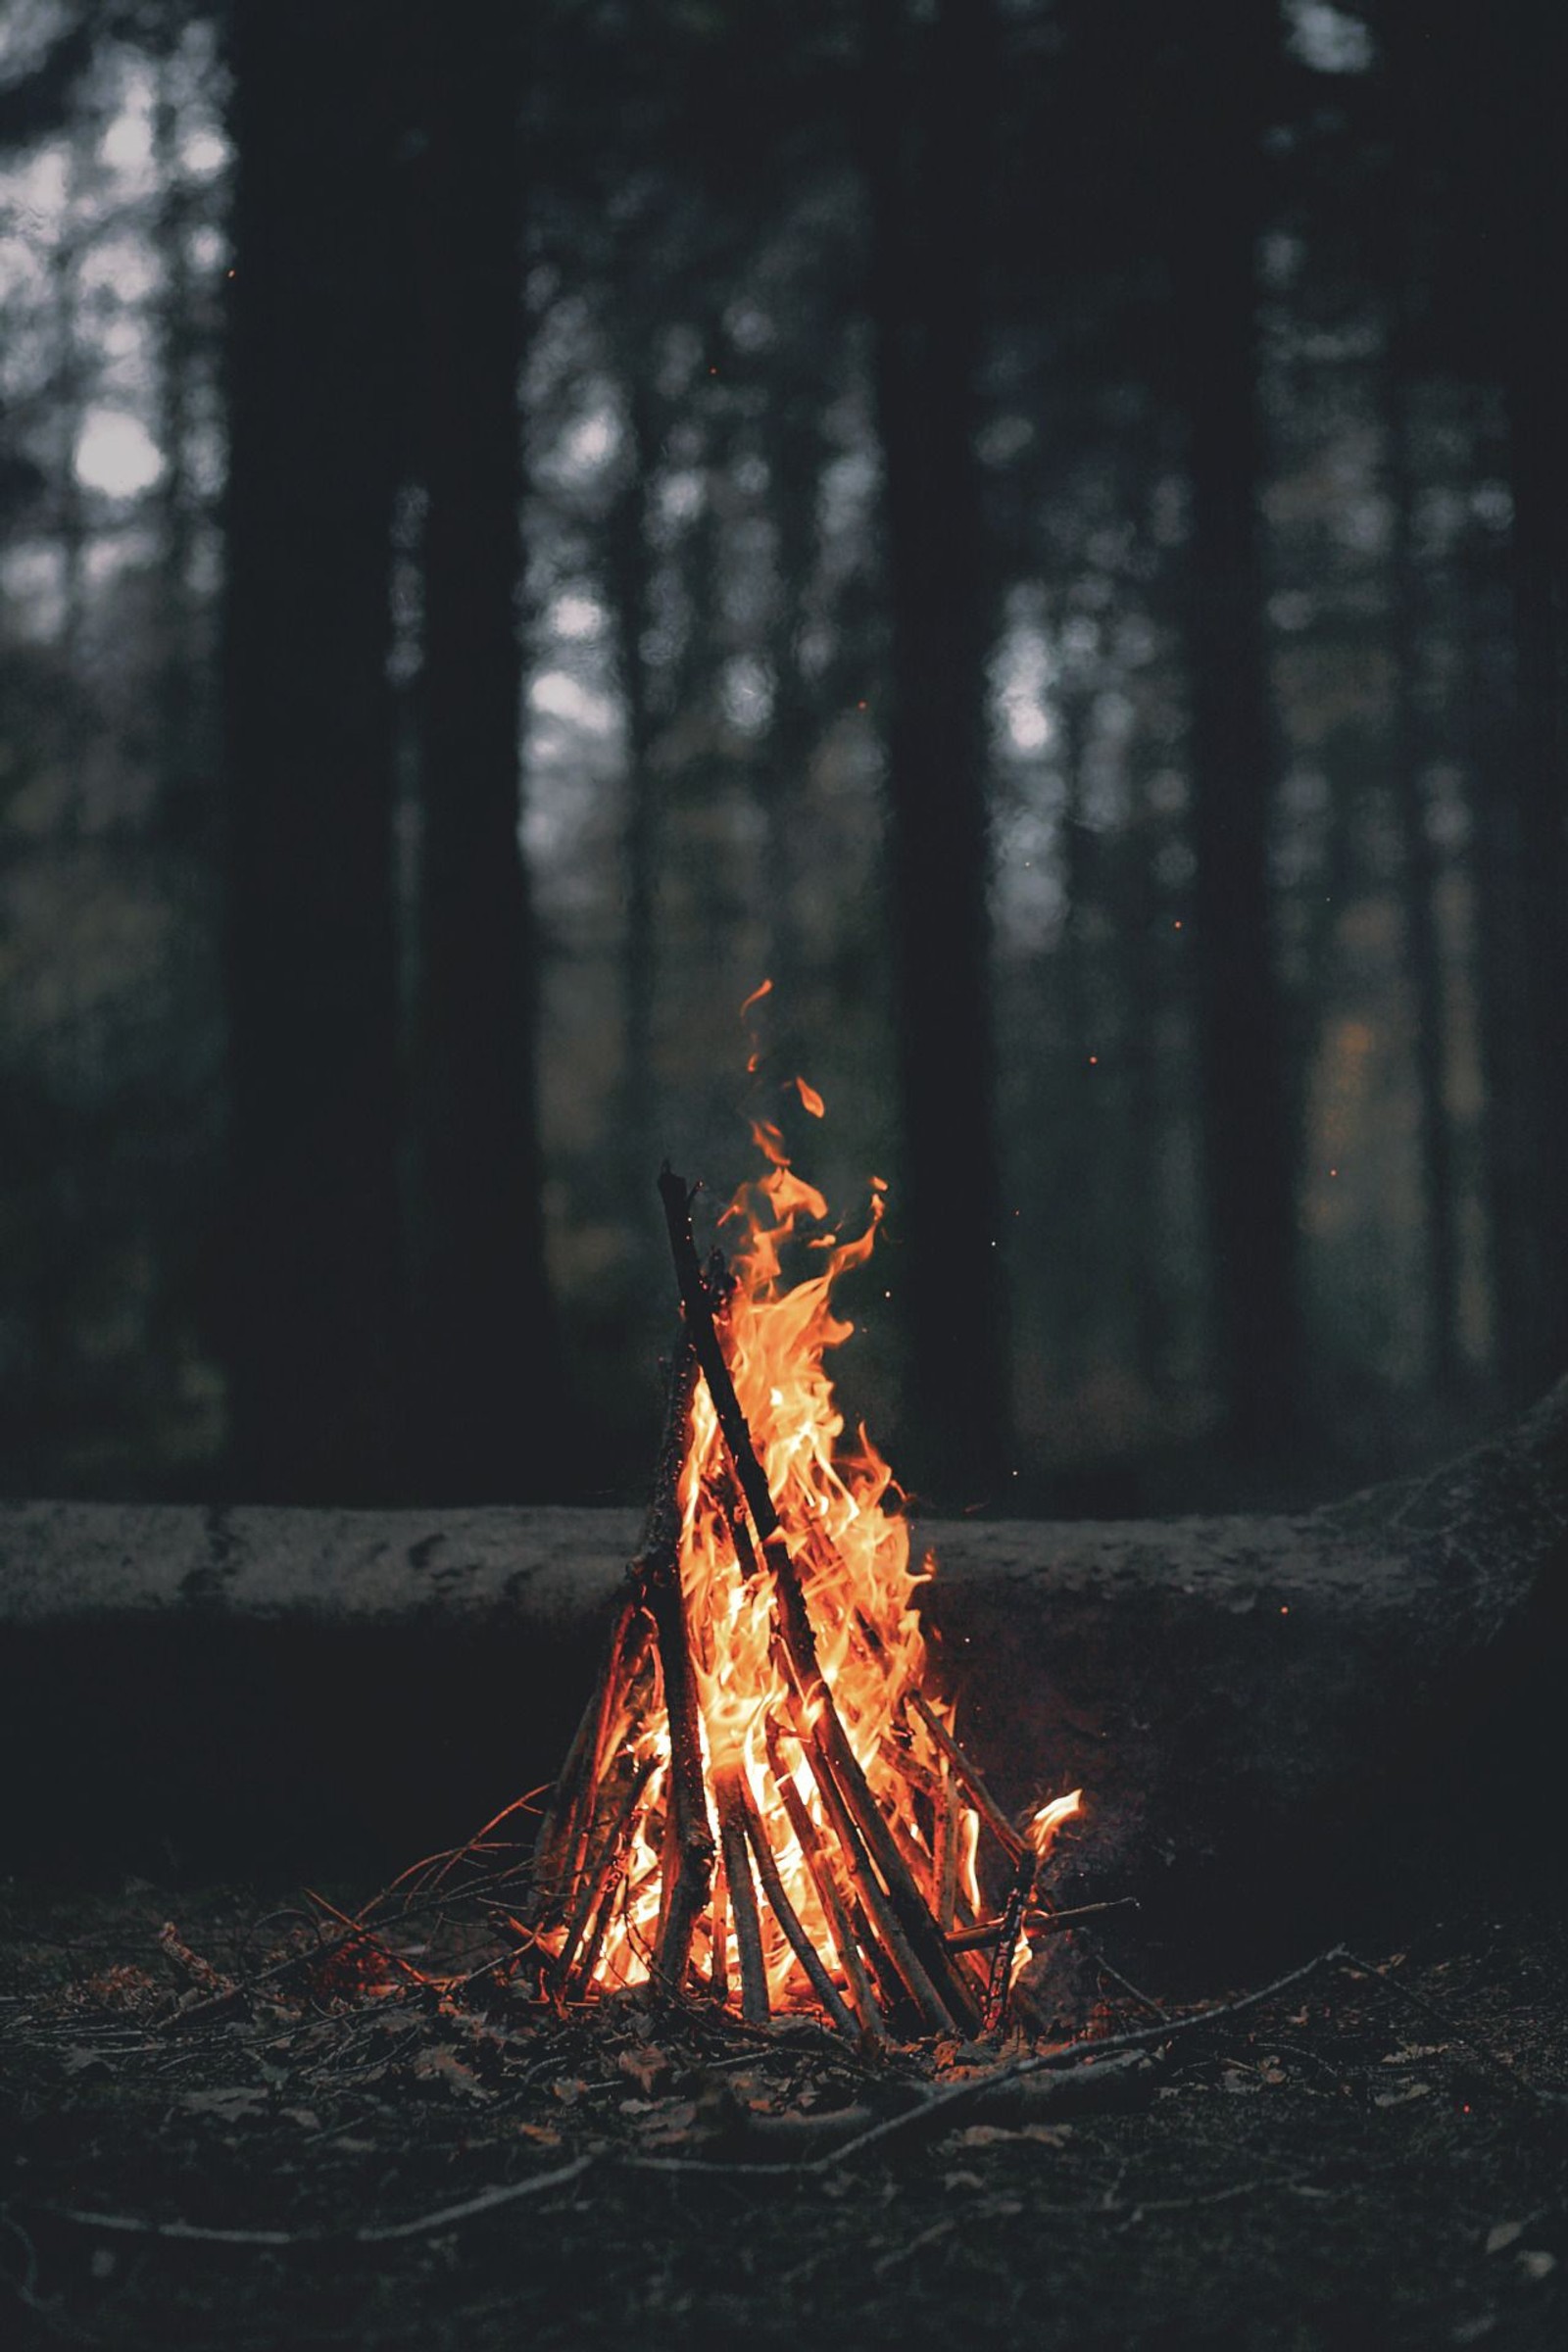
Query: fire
[[772, 1720]]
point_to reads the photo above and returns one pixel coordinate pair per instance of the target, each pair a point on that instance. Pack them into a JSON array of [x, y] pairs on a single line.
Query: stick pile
[[909, 1952]]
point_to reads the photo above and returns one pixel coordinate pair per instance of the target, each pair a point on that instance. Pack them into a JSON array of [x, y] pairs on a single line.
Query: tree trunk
[[315, 1323], [629, 569], [1143, 1050], [1250, 1175], [1489, 729], [1422, 951], [928, 168], [1536, 239], [491, 1413], [1075, 1124], [795, 456]]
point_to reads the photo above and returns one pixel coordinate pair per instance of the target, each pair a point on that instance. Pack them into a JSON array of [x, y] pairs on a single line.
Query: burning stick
[[691, 1837], [945, 1856], [1040, 1834], [942, 1995], [606, 1858], [985, 1805], [562, 1845], [827, 1893], [742, 1895], [986, 1931], [784, 1911]]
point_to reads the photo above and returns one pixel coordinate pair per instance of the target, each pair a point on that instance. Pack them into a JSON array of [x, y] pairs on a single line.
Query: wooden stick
[[946, 1859], [784, 1911], [588, 1958], [604, 1862], [742, 1895], [936, 2014], [822, 1870], [1012, 1845], [1035, 1924], [379, 2233], [920, 1930], [690, 1844], [1000, 1982], [728, 1496], [718, 1956], [568, 1815]]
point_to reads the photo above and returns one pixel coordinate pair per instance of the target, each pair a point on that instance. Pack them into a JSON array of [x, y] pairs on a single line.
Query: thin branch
[[976, 2092], [742, 1895], [1012, 1845], [784, 1911], [504, 2192], [820, 1868], [690, 1844]]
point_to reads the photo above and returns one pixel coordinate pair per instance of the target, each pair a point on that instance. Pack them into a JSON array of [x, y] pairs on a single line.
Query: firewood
[[784, 1911], [658, 1577], [742, 1895], [904, 1922]]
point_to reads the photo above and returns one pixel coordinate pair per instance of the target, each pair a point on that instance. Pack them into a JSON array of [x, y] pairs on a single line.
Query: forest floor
[[1376, 2157]]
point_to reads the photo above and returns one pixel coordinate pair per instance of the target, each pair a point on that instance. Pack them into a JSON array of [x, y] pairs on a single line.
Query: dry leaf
[[647, 2067], [1536, 2262], [1503, 2233], [439, 2066], [1402, 2098]]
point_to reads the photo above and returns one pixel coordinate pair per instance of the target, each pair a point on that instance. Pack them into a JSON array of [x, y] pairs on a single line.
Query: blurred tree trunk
[[795, 458], [177, 708], [1143, 986], [1422, 951], [929, 133], [315, 1304], [1077, 1138], [1491, 729], [491, 1414], [628, 573], [1250, 1176], [1536, 241]]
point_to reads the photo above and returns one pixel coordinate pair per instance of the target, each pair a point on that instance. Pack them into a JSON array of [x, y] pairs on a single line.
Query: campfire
[[765, 1802]]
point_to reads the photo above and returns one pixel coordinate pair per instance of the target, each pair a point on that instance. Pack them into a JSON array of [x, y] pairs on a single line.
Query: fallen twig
[[502, 2192], [1085, 2090]]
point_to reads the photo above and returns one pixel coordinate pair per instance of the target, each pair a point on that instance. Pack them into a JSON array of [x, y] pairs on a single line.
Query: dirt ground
[[1369, 2159]]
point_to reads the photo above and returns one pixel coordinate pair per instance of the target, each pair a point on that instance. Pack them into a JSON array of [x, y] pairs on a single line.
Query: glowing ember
[[817, 1846]]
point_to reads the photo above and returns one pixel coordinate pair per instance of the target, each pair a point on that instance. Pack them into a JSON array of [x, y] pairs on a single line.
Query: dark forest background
[[1039, 524]]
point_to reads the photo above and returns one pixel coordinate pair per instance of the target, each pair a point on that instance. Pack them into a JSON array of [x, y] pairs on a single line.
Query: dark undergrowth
[[1377, 2157]]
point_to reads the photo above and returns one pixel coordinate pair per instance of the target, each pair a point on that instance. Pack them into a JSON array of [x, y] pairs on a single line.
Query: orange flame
[[841, 1510]]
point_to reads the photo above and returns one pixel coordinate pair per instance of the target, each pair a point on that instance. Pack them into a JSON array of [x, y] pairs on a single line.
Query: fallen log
[[1239, 1697]]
